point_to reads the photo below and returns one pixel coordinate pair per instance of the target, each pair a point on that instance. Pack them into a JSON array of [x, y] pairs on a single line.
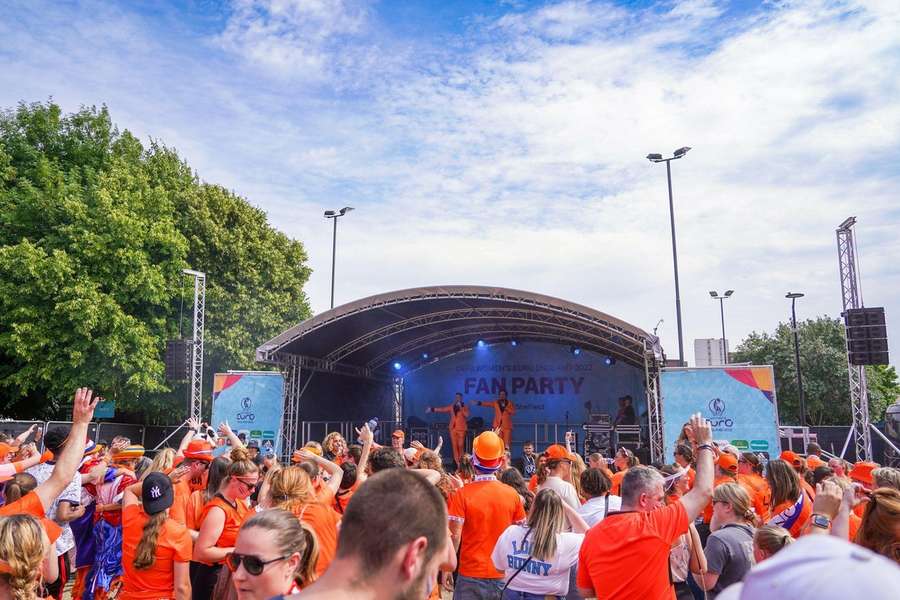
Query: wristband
[[709, 447]]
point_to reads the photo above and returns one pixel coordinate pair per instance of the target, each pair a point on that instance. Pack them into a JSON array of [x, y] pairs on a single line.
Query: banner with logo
[[738, 401], [252, 405]]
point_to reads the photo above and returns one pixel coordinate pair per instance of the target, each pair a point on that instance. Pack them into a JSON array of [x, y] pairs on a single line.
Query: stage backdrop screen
[[548, 383], [739, 402], [252, 405]]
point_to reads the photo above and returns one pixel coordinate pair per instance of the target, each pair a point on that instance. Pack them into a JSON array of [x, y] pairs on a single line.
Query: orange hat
[[791, 458], [728, 462], [487, 450], [199, 450], [557, 452], [862, 472], [813, 462], [398, 434], [5, 449]]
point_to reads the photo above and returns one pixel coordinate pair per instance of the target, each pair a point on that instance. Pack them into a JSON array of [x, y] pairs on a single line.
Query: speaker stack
[[866, 336]]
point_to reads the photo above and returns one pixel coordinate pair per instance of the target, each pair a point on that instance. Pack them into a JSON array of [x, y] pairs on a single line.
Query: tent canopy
[[418, 326]]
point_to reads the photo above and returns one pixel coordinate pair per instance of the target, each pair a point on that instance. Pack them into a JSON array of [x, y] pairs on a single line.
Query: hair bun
[[239, 454]]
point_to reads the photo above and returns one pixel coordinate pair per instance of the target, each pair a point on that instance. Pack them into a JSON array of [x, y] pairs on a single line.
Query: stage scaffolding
[[420, 326]]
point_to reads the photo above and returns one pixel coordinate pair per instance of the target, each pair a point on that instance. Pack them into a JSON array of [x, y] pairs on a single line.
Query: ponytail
[[306, 572], [21, 553], [19, 485], [146, 548]]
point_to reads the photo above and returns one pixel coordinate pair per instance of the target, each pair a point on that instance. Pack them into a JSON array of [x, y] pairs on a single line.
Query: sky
[[502, 142]]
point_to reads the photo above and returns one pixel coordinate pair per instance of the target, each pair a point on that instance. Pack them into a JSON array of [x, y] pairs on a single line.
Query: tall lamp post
[[657, 158], [793, 298], [335, 215], [721, 299]]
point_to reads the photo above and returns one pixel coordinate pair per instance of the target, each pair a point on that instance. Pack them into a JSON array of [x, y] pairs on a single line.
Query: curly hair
[[22, 546]]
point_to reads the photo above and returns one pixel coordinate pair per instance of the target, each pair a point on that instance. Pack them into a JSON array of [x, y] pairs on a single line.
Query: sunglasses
[[254, 565], [249, 485]]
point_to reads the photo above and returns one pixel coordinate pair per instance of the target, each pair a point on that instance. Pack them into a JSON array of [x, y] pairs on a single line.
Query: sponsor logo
[[759, 445], [155, 492], [246, 403], [717, 407], [741, 444]]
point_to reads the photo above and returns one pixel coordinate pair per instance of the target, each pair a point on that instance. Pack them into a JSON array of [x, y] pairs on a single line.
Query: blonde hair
[[328, 442], [430, 460], [736, 497], [162, 462], [887, 477], [290, 488], [145, 555], [22, 548], [289, 535], [771, 538], [878, 531], [240, 463], [578, 467], [546, 519]]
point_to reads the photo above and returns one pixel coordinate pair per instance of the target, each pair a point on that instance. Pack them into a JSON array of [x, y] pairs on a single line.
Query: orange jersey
[[532, 484], [626, 556], [342, 498], [485, 508], [30, 504], [178, 510], [761, 496], [235, 515], [617, 478], [799, 519], [324, 523], [193, 514], [173, 544], [458, 419], [854, 524], [502, 418]]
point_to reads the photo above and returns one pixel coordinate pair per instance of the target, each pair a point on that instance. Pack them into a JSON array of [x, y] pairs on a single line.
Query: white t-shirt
[[594, 510], [538, 577], [565, 490]]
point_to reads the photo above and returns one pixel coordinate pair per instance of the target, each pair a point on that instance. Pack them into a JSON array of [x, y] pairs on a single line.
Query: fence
[[148, 436]]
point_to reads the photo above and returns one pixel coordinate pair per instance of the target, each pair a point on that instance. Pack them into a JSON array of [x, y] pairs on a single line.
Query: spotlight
[[576, 350], [609, 361], [480, 343], [397, 366], [424, 356], [513, 343]]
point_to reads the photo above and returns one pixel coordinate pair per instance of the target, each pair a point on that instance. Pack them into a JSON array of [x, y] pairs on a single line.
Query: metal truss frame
[[654, 404], [195, 407], [852, 298]]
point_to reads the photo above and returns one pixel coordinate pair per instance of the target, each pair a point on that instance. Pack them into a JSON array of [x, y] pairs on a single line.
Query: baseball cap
[[398, 433], [253, 444], [558, 452], [199, 450], [813, 462], [819, 567], [728, 462], [862, 471], [791, 458], [133, 451], [487, 451], [157, 493]]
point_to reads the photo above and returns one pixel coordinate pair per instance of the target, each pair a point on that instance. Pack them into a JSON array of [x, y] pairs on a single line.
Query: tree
[[823, 364], [94, 233]]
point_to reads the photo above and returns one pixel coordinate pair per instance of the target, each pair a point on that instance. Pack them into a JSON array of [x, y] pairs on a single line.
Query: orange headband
[[5, 568]]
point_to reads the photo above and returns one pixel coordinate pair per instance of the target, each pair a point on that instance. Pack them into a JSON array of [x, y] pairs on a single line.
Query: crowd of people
[[357, 521]]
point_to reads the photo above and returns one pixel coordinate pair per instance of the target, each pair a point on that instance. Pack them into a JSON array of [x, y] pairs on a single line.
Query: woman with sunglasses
[[275, 555], [624, 460], [156, 549], [222, 518]]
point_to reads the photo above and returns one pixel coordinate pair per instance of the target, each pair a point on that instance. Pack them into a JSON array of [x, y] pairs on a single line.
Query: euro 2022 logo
[[246, 415], [717, 407], [246, 403]]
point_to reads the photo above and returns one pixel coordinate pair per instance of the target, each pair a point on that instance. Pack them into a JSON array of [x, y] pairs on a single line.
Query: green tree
[[94, 233], [823, 364]]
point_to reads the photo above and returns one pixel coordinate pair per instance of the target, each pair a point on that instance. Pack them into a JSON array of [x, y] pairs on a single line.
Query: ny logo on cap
[[155, 492]]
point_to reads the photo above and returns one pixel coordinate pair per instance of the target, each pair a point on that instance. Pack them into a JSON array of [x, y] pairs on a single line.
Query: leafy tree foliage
[[95, 230], [823, 365]]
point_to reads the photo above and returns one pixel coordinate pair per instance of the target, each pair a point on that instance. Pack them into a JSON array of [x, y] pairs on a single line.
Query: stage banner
[[548, 383], [252, 405], [738, 401]]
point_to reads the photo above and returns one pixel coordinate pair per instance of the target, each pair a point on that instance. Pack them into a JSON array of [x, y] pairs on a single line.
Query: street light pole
[[793, 297], [721, 299], [659, 158], [335, 215]]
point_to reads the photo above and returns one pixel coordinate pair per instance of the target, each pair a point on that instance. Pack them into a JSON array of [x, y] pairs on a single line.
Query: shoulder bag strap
[[524, 564]]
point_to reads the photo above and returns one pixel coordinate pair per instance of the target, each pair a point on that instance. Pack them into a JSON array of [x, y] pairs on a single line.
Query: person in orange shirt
[[799, 464], [504, 410], [726, 472], [334, 448], [459, 418], [861, 473], [222, 518], [156, 550], [23, 547], [291, 489], [197, 457], [750, 476], [626, 555], [215, 475], [624, 460], [791, 507], [479, 513]]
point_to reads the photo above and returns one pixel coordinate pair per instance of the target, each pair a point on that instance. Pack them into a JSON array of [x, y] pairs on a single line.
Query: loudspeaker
[[178, 359], [866, 336]]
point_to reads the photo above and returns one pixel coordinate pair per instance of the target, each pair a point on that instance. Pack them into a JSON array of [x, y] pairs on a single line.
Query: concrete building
[[710, 352]]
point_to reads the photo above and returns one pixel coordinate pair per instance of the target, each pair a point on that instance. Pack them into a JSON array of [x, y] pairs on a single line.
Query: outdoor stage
[[392, 355]]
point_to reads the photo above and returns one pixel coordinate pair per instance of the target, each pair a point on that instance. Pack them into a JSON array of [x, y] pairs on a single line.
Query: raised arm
[[193, 426], [441, 409], [67, 464], [365, 434], [699, 496], [337, 474], [235, 441], [20, 439]]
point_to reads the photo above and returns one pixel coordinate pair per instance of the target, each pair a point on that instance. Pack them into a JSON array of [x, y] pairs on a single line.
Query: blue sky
[[502, 142]]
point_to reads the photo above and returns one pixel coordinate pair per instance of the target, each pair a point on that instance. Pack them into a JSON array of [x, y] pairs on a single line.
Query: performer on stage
[[458, 424], [503, 414]]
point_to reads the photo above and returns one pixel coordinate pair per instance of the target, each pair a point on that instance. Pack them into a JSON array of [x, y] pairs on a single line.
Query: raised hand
[[179, 472], [828, 499], [83, 405], [700, 430], [365, 434], [194, 423], [417, 445], [225, 429]]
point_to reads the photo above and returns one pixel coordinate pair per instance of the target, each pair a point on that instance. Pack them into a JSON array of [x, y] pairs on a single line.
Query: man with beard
[[393, 541], [503, 414]]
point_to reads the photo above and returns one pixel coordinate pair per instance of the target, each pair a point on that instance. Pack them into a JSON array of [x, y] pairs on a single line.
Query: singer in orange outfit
[[503, 414], [459, 416]]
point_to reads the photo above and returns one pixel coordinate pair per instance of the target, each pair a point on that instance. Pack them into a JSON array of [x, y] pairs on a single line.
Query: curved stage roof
[[366, 337]]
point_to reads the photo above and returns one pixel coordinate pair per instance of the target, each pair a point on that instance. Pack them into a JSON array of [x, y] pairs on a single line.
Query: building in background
[[710, 352]]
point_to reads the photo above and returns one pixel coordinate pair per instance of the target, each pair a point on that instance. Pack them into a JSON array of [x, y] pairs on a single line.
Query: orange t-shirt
[[178, 511], [193, 514], [30, 504], [761, 494], [854, 525], [323, 521], [805, 513], [235, 515], [173, 545], [810, 491], [617, 478], [626, 555], [342, 498], [325, 494], [485, 508], [532, 484]]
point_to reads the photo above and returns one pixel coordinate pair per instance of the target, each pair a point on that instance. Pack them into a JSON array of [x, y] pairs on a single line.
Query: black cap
[[157, 493], [253, 444]]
